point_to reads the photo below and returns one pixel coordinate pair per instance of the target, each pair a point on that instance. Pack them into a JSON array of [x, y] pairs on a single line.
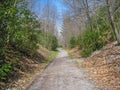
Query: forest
[[88, 25], [101, 27]]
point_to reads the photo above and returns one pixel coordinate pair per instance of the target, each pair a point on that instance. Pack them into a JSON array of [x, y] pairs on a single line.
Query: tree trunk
[[111, 20], [85, 3]]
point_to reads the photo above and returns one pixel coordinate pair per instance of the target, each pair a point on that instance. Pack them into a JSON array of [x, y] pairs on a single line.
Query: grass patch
[[70, 54], [53, 54]]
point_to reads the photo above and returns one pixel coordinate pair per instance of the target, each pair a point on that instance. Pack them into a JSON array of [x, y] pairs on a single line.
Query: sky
[[37, 7]]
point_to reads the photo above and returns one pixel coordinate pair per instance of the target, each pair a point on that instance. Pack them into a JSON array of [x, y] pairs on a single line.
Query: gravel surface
[[63, 74]]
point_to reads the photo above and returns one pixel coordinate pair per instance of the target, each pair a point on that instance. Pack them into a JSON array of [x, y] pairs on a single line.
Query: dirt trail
[[63, 74]]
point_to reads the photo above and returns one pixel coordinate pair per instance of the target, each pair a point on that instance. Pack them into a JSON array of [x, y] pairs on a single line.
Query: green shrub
[[90, 41], [54, 43], [4, 69], [18, 33], [72, 41], [101, 34], [47, 40], [86, 52]]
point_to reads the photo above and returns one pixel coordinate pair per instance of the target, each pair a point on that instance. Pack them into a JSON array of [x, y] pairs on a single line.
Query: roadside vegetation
[[19, 41], [53, 54], [101, 34]]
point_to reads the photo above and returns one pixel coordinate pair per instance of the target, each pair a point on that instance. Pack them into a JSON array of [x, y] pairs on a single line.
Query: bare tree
[[111, 19], [48, 17]]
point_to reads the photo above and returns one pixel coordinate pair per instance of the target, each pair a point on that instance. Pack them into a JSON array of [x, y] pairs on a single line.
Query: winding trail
[[63, 74]]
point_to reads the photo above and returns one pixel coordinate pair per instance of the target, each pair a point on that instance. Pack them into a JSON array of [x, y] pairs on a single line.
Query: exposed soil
[[63, 74]]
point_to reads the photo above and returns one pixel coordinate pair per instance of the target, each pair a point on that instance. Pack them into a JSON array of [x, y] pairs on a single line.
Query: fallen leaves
[[104, 67], [75, 52]]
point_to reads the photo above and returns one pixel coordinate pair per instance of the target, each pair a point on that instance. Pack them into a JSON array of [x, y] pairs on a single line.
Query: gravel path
[[63, 74]]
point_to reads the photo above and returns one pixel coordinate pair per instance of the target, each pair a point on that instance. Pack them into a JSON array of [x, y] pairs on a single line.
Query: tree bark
[[111, 20], [85, 3]]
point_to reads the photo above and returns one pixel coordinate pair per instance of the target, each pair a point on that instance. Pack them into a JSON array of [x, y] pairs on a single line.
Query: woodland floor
[[33, 66], [104, 67]]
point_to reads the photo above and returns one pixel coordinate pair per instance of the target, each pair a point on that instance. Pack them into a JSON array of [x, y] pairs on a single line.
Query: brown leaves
[[104, 67]]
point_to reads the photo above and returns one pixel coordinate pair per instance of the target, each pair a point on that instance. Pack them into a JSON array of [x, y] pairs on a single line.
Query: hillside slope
[[104, 67], [25, 69]]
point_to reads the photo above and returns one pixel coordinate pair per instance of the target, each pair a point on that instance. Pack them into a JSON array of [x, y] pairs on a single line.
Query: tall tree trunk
[[111, 20], [85, 3]]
